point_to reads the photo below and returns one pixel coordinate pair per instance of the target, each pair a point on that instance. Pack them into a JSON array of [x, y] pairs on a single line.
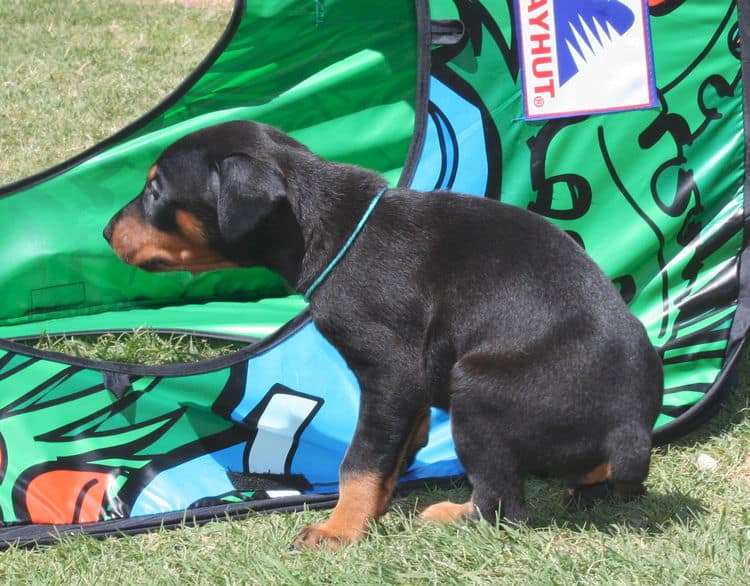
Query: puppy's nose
[[108, 231]]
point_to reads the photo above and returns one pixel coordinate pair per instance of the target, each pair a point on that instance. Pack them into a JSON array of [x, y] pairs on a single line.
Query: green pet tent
[[429, 94]]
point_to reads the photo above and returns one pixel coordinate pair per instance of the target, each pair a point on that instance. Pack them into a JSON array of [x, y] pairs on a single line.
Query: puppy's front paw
[[322, 535]]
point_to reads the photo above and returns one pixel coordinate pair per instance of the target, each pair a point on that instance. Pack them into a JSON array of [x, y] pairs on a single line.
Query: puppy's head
[[203, 200]]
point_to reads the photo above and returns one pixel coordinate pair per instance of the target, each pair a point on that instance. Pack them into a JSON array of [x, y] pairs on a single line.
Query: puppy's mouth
[[156, 265], [161, 260], [161, 265], [150, 249]]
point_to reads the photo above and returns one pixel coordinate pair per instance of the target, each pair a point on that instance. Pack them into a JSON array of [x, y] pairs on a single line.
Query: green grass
[[119, 58], [692, 528], [76, 71], [140, 347]]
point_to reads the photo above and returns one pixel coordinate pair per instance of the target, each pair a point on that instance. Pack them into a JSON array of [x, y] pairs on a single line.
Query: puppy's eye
[[150, 194]]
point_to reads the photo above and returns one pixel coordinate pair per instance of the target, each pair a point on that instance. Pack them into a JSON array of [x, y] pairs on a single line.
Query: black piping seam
[[120, 135], [424, 65], [163, 331], [740, 326], [705, 408], [168, 370], [31, 535], [721, 389], [719, 392]]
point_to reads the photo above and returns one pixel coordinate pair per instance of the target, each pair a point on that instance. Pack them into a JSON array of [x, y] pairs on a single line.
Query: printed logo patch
[[584, 57]]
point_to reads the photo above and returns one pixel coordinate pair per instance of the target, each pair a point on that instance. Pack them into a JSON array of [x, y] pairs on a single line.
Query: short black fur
[[481, 308]]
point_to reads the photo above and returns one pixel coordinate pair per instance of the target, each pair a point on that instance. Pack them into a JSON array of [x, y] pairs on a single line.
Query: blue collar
[[363, 220]]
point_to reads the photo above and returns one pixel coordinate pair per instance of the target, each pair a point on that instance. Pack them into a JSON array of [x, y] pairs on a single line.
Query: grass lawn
[[74, 71]]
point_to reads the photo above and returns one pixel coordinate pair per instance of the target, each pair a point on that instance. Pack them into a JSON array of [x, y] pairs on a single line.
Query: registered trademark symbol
[[539, 101]]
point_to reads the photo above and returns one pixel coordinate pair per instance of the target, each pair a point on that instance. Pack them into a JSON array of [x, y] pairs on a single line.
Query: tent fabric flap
[[430, 95]]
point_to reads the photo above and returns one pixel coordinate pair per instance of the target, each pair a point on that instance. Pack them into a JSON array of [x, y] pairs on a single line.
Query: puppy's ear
[[246, 192]]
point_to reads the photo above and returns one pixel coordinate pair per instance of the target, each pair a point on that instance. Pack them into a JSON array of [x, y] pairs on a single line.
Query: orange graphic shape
[[67, 496]]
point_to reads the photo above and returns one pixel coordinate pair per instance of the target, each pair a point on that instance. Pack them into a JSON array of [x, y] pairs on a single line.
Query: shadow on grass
[[653, 513], [733, 412]]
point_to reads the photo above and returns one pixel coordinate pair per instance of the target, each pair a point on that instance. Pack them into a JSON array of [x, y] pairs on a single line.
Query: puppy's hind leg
[[480, 436], [498, 492], [491, 498], [593, 487], [621, 477], [629, 449]]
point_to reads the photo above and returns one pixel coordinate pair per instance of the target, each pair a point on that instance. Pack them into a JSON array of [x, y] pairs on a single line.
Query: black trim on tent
[[168, 102], [741, 322], [31, 535], [709, 405], [26, 534], [27, 339], [166, 370], [424, 65]]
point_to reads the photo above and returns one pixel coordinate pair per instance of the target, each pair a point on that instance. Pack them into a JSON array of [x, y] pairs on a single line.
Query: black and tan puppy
[[481, 308]]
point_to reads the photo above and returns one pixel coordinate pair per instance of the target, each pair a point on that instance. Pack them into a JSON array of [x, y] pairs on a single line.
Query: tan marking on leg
[[361, 499], [447, 512], [151, 172], [599, 474]]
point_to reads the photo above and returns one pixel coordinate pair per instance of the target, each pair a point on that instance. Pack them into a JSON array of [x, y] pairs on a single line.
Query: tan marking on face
[[447, 512], [599, 474], [190, 226], [151, 172], [138, 243]]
